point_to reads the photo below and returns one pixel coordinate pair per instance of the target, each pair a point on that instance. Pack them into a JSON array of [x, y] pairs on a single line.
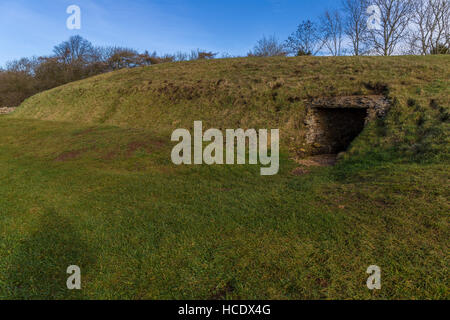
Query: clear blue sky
[[33, 27]]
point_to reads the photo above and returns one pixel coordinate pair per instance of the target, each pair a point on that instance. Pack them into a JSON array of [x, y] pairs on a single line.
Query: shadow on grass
[[38, 266]]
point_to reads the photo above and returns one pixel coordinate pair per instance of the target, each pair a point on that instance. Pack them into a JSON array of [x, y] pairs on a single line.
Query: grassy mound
[[256, 93], [95, 187]]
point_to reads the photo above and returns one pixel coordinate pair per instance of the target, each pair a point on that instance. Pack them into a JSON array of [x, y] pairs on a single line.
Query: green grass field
[[86, 179]]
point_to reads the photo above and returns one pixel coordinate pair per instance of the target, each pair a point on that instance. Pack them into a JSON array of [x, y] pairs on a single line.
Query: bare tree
[[441, 12], [332, 31], [181, 56], [306, 40], [202, 55], [74, 50], [23, 65], [395, 16], [268, 47], [123, 58], [355, 24], [430, 26]]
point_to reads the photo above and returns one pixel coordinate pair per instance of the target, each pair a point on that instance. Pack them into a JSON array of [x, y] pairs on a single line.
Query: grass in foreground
[[109, 200]]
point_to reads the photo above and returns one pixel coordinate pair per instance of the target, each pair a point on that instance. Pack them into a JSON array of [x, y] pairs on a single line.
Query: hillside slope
[[252, 93]]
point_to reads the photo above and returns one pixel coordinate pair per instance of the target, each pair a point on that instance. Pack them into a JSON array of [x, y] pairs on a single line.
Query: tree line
[[418, 27], [73, 60], [369, 27]]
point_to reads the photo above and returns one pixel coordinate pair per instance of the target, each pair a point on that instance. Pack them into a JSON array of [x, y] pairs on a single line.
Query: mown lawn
[[109, 200]]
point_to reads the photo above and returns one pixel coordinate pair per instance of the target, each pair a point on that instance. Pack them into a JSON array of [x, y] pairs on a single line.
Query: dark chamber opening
[[338, 127]]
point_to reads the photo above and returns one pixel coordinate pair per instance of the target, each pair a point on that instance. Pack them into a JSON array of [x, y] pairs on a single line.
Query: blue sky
[[33, 27]]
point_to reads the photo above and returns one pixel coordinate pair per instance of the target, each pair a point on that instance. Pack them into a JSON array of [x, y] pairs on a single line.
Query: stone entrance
[[333, 123], [332, 130]]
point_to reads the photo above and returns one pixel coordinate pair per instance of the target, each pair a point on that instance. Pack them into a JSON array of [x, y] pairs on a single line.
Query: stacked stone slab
[[6, 110]]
